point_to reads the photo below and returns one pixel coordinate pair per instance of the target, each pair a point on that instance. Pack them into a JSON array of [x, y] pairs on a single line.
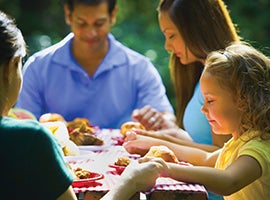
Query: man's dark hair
[[71, 3]]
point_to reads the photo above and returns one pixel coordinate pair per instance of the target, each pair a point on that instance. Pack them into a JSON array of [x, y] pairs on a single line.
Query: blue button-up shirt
[[54, 82]]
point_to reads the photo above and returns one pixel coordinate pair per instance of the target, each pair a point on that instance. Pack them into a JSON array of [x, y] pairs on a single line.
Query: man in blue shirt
[[90, 74]]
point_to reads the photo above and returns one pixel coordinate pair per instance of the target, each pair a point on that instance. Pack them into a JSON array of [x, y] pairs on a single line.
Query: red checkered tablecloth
[[99, 160]]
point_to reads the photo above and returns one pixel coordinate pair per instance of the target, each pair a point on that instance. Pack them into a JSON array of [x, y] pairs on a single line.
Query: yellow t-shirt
[[248, 144]]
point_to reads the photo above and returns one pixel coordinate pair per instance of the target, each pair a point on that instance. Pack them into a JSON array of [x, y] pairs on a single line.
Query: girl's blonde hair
[[245, 72], [205, 26]]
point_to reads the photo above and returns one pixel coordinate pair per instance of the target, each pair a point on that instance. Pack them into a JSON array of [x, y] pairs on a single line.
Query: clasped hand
[[152, 119], [141, 175]]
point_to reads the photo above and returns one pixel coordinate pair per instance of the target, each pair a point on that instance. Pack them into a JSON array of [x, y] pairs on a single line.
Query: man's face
[[90, 24]]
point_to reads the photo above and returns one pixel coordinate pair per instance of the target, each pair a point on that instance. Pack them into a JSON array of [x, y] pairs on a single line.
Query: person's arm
[[169, 120], [136, 178], [141, 144], [190, 143], [239, 174], [171, 135], [69, 194], [181, 137], [122, 190], [29, 97], [152, 101]]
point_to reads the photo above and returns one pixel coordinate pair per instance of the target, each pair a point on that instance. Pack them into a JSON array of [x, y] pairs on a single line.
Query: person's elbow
[[69, 194]]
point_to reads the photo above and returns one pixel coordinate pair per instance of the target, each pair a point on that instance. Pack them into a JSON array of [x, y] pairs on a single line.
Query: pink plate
[[119, 169], [88, 182]]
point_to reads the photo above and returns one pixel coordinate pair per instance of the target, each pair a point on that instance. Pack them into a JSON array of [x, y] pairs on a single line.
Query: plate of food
[[120, 164], [81, 132], [84, 155], [85, 178], [106, 143], [119, 169]]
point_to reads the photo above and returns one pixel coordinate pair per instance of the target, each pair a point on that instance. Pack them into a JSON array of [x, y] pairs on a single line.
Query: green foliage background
[[42, 23]]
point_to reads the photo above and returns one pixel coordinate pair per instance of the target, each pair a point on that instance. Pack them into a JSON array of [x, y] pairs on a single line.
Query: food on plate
[[120, 164], [78, 131], [162, 152], [51, 117], [85, 178], [127, 126], [70, 149], [82, 133], [123, 161], [82, 123], [82, 138], [19, 113], [81, 173], [59, 130]]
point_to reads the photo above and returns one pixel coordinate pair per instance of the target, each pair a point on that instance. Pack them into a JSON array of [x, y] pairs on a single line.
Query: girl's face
[[220, 107], [174, 41]]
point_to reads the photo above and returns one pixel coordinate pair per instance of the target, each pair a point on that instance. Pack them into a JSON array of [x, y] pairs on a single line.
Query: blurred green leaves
[[43, 24]]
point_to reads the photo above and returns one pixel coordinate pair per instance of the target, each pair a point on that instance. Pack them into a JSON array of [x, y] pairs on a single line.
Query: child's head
[[244, 73]]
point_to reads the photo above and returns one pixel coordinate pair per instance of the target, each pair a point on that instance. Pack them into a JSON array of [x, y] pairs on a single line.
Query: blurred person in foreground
[[32, 161], [235, 84], [89, 74]]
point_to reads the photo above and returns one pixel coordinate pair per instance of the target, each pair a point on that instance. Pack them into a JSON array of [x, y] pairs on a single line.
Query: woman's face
[[15, 79], [174, 41]]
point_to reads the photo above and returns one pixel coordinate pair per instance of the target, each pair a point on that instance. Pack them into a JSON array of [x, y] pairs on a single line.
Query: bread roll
[[127, 126], [122, 161], [162, 152], [51, 117]]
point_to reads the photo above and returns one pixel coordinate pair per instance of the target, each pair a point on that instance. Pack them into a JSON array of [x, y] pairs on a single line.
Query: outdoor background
[[42, 24]]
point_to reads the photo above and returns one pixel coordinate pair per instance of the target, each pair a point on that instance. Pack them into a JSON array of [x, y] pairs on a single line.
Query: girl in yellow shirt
[[236, 88]]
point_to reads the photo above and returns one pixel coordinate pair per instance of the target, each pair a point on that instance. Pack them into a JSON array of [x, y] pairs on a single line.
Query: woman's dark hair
[[11, 39], [71, 3], [205, 26]]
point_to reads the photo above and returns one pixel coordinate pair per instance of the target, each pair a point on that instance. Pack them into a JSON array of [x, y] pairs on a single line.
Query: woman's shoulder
[[22, 127], [27, 135]]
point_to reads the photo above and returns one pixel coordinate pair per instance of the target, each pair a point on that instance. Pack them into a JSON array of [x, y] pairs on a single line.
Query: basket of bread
[[71, 134]]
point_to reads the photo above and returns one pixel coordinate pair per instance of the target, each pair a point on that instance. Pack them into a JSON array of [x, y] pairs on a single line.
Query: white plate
[[107, 139], [94, 147], [83, 155]]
